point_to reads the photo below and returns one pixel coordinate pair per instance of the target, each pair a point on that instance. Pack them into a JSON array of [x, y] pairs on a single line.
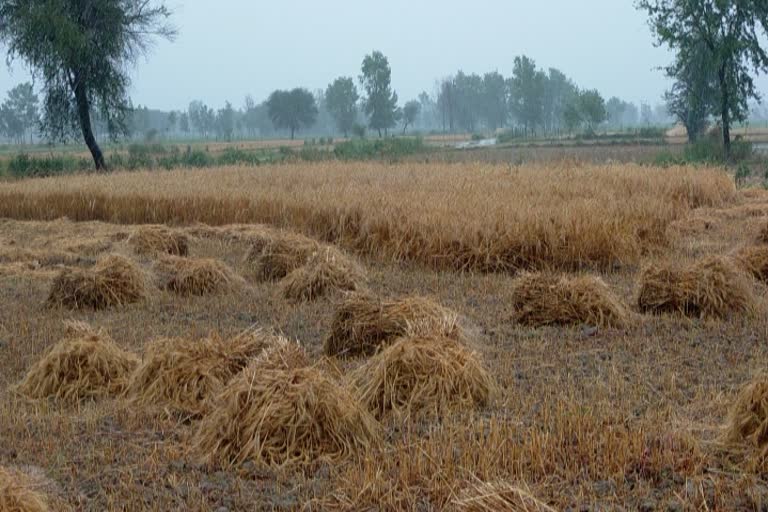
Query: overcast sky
[[229, 48]]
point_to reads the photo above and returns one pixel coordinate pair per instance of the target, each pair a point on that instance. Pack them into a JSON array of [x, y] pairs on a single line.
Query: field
[[578, 390]]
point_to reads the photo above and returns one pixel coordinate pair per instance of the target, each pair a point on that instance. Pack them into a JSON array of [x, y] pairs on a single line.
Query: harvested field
[[584, 418], [466, 216]]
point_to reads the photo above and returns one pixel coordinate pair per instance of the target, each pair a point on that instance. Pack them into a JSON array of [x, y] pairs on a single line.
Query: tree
[[341, 100], [410, 113], [730, 33], [82, 50], [468, 90], [172, 119], [225, 121], [446, 103], [292, 110], [693, 95], [493, 104], [526, 93], [558, 93], [592, 108], [20, 112], [184, 123], [572, 115], [380, 102]]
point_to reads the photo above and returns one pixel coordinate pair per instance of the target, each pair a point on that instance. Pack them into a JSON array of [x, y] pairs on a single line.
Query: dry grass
[[113, 281], [762, 236], [423, 375], [187, 276], [152, 240], [282, 354], [86, 364], [327, 271], [18, 493], [710, 288], [754, 260], [498, 497], [181, 375], [362, 322], [462, 216], [274, 258], [550, 299], [748, 418], [284, 418]]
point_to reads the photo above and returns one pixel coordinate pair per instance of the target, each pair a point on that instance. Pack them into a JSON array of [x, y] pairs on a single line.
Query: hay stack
[[328, 270], [762, 237], [427, 374], [547, 299], [710, 288], [748, 418], [362, 322], [282, 354], [499, 497], [180, 375], [86, 364], [284, 418], [273, 258], [185, 276], [754, 260], [113, 281], [153, 240], [18, 494]]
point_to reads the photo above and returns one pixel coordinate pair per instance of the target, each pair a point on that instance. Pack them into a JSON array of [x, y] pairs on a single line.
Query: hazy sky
[[229, 48]]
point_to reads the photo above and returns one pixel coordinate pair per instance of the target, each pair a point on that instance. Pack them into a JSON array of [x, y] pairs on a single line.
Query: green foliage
[[292, 110], [743, 172], [24, 166], [19, 112], [380, 102], [82, 51], [387, 148], [341, 101], [410, 113], [358, 130]]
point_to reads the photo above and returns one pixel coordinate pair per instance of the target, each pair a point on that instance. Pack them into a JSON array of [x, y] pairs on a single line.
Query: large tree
[[292, 110], [410, 113], [731, 32], [82, 50], [20, 112], [341, 100], [381, 101], [693, 96], [493, 106], [526, 93]]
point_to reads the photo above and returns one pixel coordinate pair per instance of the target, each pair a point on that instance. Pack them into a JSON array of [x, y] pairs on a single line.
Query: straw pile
[[113, 281], [180, 375], [274, 258], [499, 497], [284, 418], [282, 354], [328, 270], [153, 240], [427, 374], [547, 299], [748, 418], [185, 276], [754, 260], [762, 237], [362, 323], [18, 494], [86, 364], [710, 288]]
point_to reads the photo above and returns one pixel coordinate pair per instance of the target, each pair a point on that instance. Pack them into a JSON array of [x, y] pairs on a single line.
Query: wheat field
[[639, 415]]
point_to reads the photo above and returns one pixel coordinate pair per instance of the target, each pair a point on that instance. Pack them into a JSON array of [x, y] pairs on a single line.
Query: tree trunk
[[84, 115], [725, 114]]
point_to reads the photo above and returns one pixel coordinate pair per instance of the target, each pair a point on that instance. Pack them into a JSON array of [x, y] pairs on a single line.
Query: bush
[[23, 166], [362, 149]]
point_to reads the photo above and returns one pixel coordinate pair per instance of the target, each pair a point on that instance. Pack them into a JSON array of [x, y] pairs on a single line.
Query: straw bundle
[[423, 374], [274, 258], [180, 375], [710, 288], [327, 270], [284, 418], [185, 276], [499, 497], [18, 494], [86, 364], [754, 260], [362, 322], [152, 240], [113, 281], [748, 418], [547, 299]]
